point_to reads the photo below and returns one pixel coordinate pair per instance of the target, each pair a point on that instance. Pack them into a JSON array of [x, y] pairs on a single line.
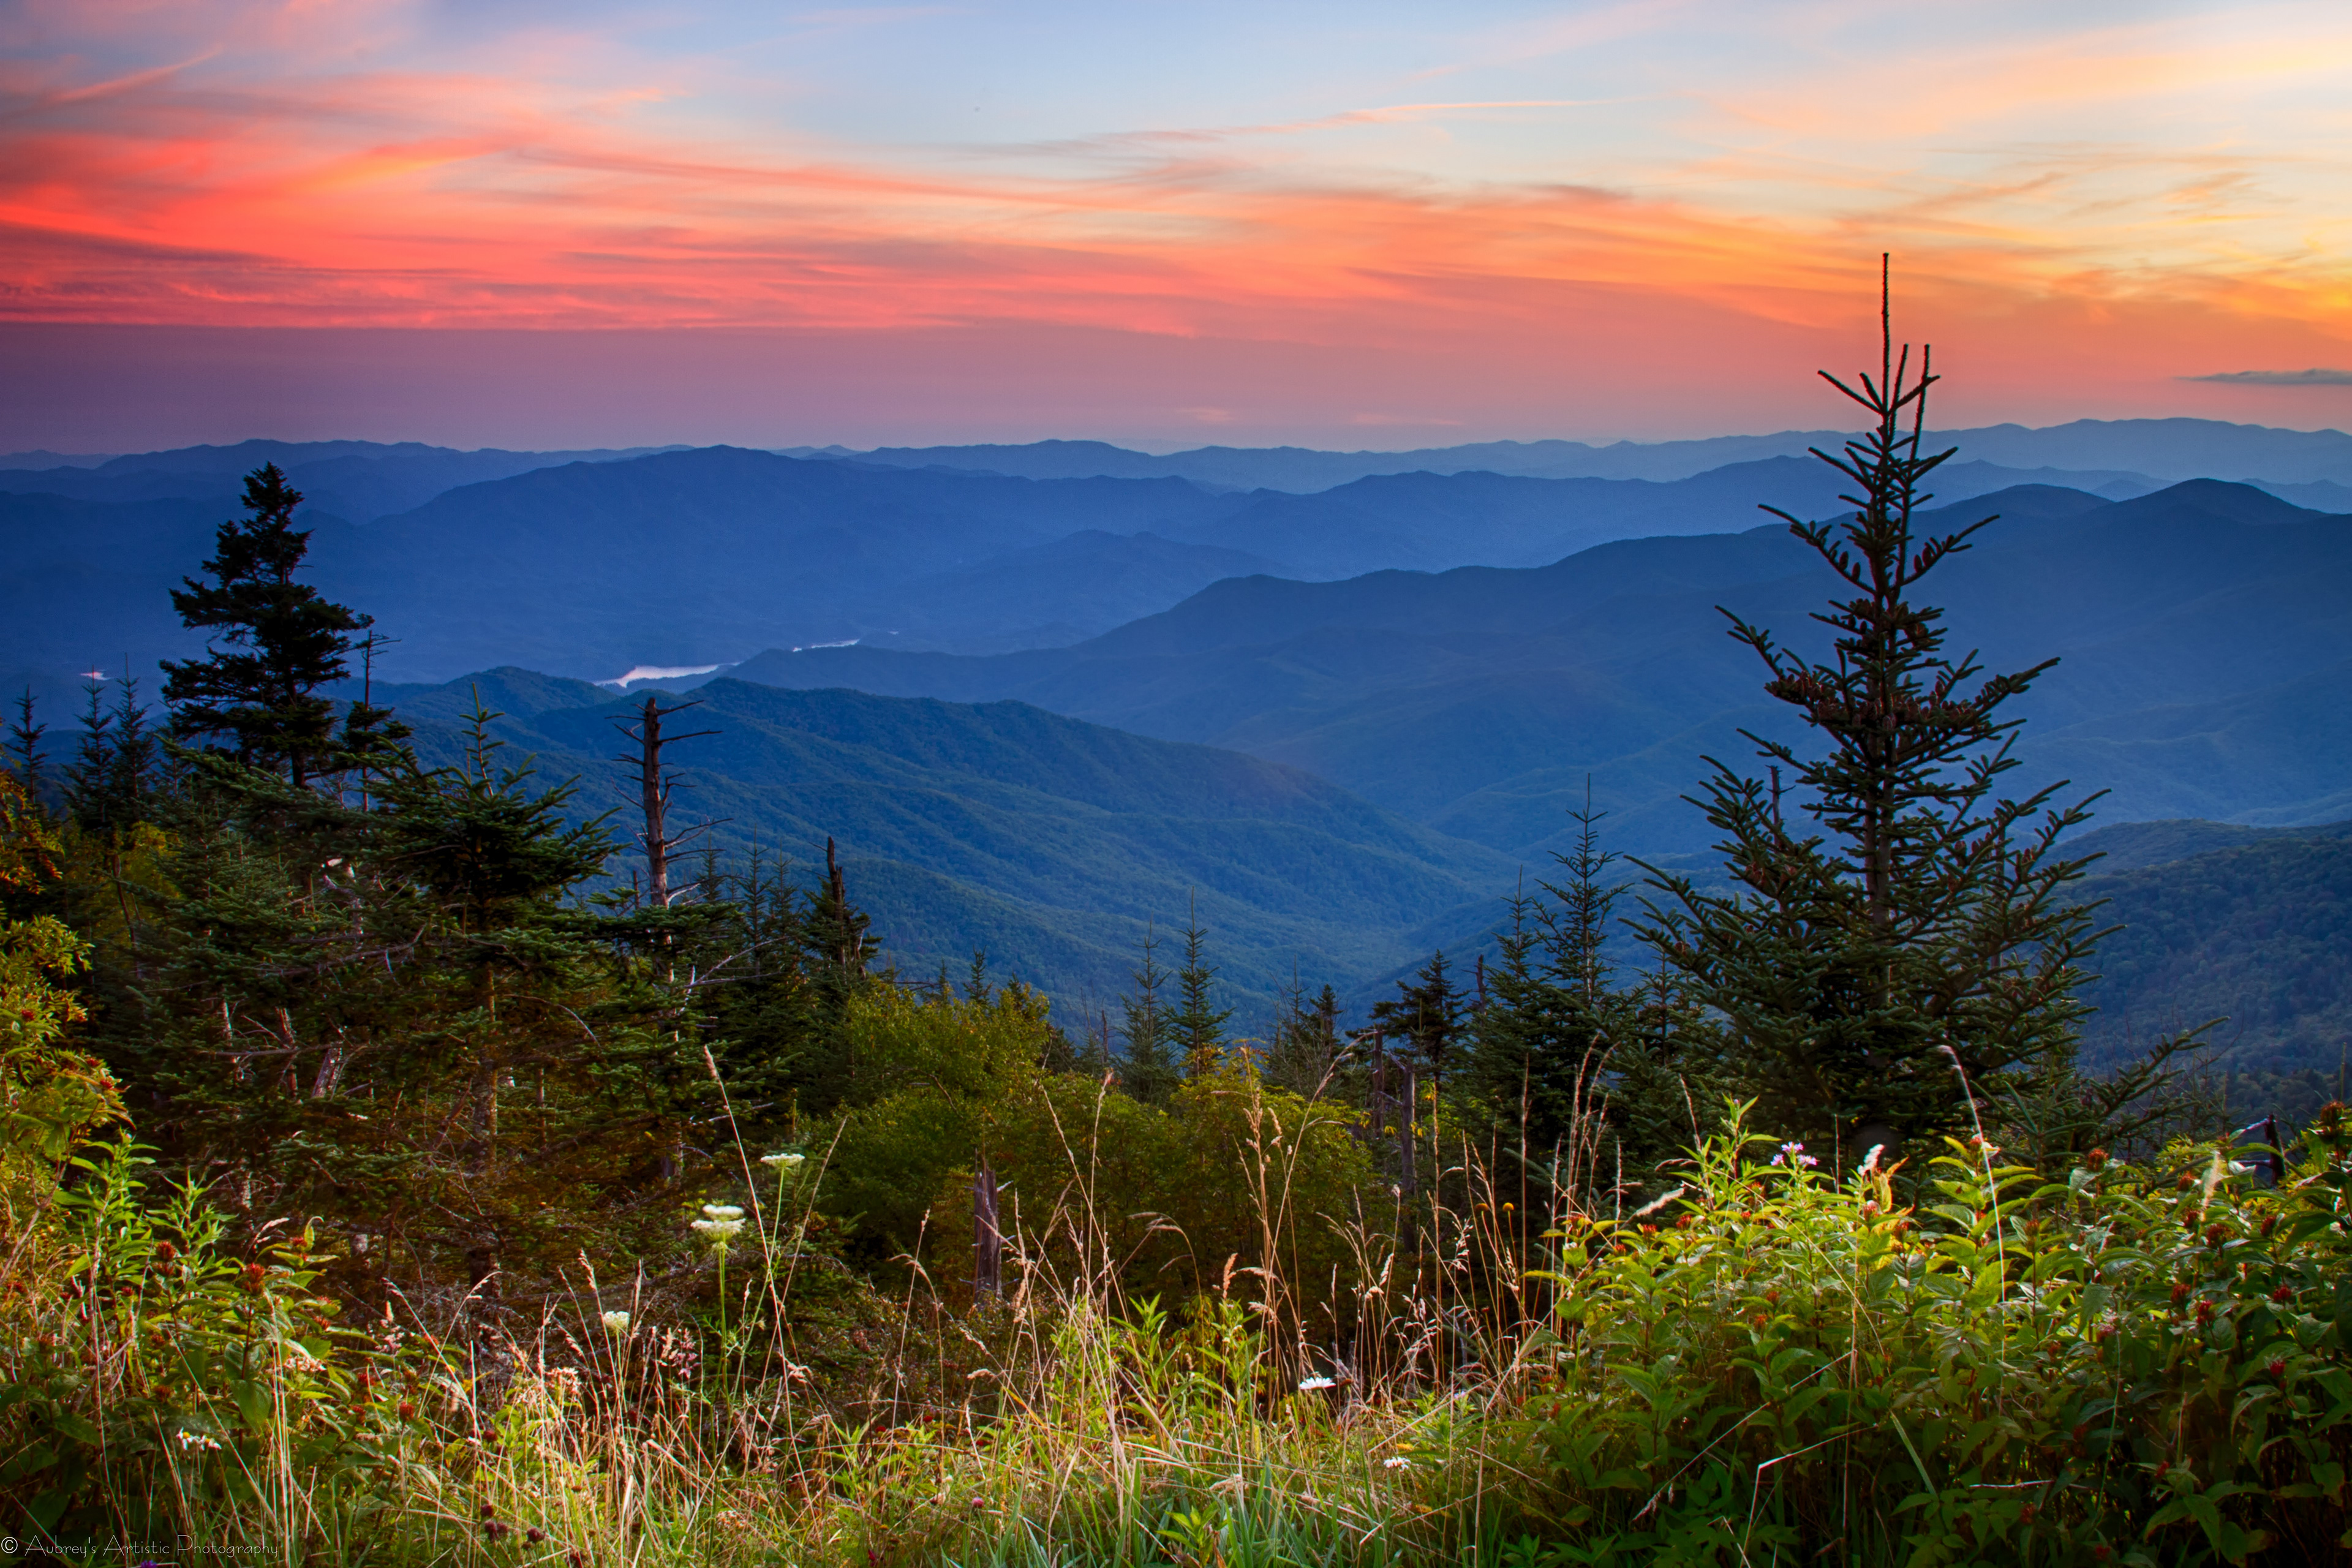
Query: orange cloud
[[322, 195]]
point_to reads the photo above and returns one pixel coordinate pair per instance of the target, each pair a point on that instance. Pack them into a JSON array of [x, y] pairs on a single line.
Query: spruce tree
[[258, 699], [1145, 1070], [24, 746], [1305, 1054], [1897, 924], [1199, 1027], [110, 785], [1426, 1019]]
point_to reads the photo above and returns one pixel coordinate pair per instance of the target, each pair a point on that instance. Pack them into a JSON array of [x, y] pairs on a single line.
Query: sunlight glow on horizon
[[2086, 204]]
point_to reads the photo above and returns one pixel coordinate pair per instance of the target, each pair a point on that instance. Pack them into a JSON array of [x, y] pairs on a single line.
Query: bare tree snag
[[654, 788]]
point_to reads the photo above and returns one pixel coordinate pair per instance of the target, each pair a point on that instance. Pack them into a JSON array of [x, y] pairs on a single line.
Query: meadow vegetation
[[383, 1181]]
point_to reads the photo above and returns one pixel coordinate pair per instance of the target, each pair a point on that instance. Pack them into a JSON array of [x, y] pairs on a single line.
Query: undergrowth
[[1975, 1362]]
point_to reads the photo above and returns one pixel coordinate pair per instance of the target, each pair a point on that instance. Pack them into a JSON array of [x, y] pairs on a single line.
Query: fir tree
[[1541, 1047], [1305, 1054], [1899, 924], [111, 783], [260, 694], [1145, 1071], [1198, 1026], [1426, 1020], [25, 746]]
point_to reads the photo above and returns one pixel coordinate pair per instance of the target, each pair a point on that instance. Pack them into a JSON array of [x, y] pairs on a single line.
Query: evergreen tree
[[1305, 1055], [425, 1043], [1198, 1028], [759, 1001], [261, 695], [1426, 1020], [1146, 1071], [25, 746], [111, 783], [1900, 922]]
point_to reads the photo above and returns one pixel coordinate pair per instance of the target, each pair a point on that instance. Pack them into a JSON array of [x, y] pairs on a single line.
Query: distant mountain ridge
[[707, 555], [2202, 630], [2165, 450]]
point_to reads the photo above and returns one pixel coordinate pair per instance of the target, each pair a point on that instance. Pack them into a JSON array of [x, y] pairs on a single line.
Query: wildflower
[[2270, 1223], [1794, 1154], [2204, 1313], [2282, 1295], [2094, 1159], [2276, 1369], [784, 1161], [408, 1410], [1396, 1462], [1870, 1161], [616, 1322], [721, 1223], [2180, 1294], [253, 1277], [197, 1440], [1310, 1385]]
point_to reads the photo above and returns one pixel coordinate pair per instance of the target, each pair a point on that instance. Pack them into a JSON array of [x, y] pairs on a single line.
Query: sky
[[1366, 225]]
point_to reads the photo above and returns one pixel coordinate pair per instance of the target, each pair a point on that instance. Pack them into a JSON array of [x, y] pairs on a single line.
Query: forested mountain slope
[[1048, 842], [2248, 929]]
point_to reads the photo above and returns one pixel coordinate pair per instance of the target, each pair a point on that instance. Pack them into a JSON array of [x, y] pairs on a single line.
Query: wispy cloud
[[2170, 186], [2314, 377]]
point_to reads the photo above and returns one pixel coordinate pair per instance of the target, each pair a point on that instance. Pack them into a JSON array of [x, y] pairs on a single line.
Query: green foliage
[[285, 641], [2121, 1364], [190, 1379], [1146, 1067], [927, 1077], [1901, 937], [389, 1021], [1424, 1019], [1198, 1024]]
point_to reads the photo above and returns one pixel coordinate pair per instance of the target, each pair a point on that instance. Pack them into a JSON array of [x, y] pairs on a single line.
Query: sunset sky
[[1368, 223]]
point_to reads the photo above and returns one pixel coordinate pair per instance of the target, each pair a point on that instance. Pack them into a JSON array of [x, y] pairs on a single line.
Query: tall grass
[[1963, 1363]]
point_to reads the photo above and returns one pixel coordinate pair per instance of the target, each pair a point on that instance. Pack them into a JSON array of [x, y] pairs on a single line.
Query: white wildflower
[[787, 1162], [617, 1322], [721, 1211], [1308, 1385], [197, 1440], [1396, 1462]]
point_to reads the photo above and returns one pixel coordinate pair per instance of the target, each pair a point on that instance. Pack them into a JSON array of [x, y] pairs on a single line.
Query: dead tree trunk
[[987, 1240], [654, 789]]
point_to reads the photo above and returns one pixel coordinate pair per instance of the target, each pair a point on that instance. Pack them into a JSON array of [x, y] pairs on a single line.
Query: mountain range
[[2200, 632], [2089, 452], [592, 563], [1434, 666]]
